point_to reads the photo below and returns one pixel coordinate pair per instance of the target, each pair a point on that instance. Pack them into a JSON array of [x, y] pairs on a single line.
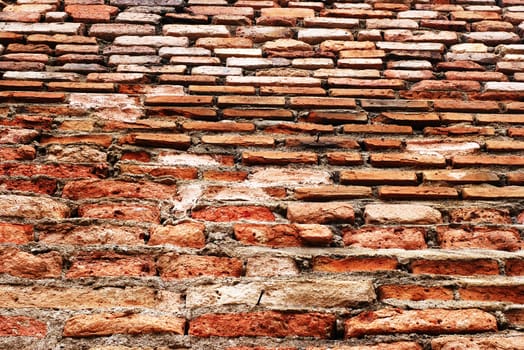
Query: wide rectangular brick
[[460, 176], [378, 177], [387, 321], [18, 263], [480, 215], [351, 264], [493, 293], [479, 238], [115, 188], [423, 192], [283, 235], [22, 326], [470, 267], [414, 292], [273, 80], [290, 294], [233, 213], [77, 298], [258, 324], [42, 28], [485, 342], [385, 238], [195, 31], [101, 264], [469, 106], [401, 214], [26, 207], [493, 192], [16, 233], [327, 192], [110, 31], [322, 102], [187, 234], [320, 213], [121, 323], [251, 100], [379, 346], [278, 158], [120, 211], [407, 159], [193, 266]]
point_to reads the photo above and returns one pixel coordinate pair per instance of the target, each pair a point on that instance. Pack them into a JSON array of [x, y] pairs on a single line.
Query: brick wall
[[261, 175]]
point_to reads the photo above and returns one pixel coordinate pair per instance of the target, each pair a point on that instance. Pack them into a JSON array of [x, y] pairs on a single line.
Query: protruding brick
[[456, 267], [114, 188], [269, 266], [479, 238], [388, 321], [120, 211], [352, 264], [385, 238], [22, 326], [15, 233], [99, 264], [322, 193], [233, 213], [32, 207], [488, 342], [414, 292], [479, 215], [268, 323], [121, 323], [283, 235]]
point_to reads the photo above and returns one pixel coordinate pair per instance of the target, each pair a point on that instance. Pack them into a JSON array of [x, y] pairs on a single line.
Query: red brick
[[327, 192], [70, 234], [15, 233], [193, 266], [492, 192], [188, 234], [291, 128], [423, 192], [218, 126], [120, 211], [216, 175], [283, 235], [38, 185], [91, 13], [459, 130], [515, 318], [322, 141], [22, 326], [401, 214], [510, 293], [268, 323], [23, 152], [102, 264], [344, 158], [84, 189], [480, 238], [233, 213], [52, 170], [385, 238], [102, 140], [27, 207], [488, 342], [466, 106], [320, 213], [407, 159], [121, 323], [278, 158], [479, 215], [515, 267], [378, 177], [387, 321], [460, 176], [179, 141], [456, 267], [21, 264], [352, 264], [17, 136], [158, 171], [414, 292]]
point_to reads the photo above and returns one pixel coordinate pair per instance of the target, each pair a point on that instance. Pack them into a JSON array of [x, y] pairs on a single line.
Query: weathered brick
[[188, 234], [193, 266], [320, 213], [480, 238], [423, 192], [407, 159], [18, 263], [493, 293], [489, 342], [120, 211], [32, 207], [278, 158], [401, 214], [268, 266], [170, 140], [492, 192], [290, 294], [115, 188], [121, 323], [289, 176], [515, 318], [376, 177], [20, 326], [77, 298], [283, 235], [388, 321], [15, 136], [327, 264], [456, 267], [344, 158], [322, 193], [479, 215], [23, 152], [414, 292], [379, 346], [15, 233], [460, 176], [101, 264], [268, 323], [385, 238], [112, 30], [233, 213], [70, 234]]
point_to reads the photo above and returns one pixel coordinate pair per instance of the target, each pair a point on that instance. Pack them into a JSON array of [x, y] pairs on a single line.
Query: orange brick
[[18, 263], [15, 233], [344, 158], [331, 192], [479, 238], [233, 213], [218, 126], [456, 267], [388, 321], [407, 159], [278, 158], [414, 292], [283, 235], [188, 234], [511, 293], [192, 266], [327, 264], [115, 188], [103, 264], [120, 211], [385, 237], [406, 192], [259, 324], [158, 171], [22, 326], [378, 177]]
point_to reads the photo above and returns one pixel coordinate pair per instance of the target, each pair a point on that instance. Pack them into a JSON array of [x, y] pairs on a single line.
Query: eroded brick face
[[261, 175]]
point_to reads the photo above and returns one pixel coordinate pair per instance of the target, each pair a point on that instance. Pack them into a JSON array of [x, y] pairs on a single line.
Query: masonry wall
[[261, 175]]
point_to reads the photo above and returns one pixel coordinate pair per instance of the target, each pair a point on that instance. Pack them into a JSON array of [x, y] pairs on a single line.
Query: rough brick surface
[[261, 174]]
